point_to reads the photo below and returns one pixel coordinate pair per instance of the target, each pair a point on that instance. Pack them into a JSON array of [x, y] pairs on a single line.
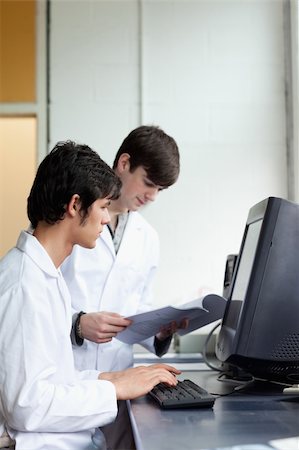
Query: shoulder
[[11, 267], [8, 262]]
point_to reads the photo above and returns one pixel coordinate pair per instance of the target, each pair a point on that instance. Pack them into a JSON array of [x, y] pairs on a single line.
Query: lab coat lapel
[[125, 262], [106, 238], [132, 240]]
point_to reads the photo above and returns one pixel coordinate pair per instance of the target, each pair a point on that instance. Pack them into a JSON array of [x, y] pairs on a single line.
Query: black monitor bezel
[[263, 210]]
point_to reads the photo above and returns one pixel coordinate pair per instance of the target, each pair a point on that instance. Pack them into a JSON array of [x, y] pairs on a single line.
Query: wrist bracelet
[[78, 332]]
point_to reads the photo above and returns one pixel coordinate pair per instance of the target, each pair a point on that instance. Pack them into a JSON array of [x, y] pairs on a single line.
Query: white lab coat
[[45, 403], [101, 280]]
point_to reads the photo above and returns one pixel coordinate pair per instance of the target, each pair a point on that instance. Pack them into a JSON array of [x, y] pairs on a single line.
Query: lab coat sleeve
[[87, 375], [41, 391]]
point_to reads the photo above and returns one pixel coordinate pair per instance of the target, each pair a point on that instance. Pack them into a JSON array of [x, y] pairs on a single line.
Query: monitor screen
[[244, 270], [260, 327]]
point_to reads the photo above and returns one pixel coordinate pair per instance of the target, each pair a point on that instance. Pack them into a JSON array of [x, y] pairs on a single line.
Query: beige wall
[[17, 170]]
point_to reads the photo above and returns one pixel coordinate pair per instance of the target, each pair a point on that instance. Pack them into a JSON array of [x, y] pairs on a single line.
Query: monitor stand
[[264, 387], [286, 392], [247, 384], [257, 386]]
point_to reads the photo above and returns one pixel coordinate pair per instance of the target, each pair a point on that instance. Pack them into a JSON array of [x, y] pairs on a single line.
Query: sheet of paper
[[286, 444], [199, 312], [244, 447]]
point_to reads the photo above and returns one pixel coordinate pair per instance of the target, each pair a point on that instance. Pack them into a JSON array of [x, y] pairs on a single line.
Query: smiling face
[[137, 189], [89, 230]]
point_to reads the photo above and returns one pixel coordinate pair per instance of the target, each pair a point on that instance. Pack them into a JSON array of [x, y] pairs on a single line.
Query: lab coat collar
[[28, 244], [134, 219]]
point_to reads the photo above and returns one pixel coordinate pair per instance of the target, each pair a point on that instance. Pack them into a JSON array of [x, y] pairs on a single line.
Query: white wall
[[93, 72], [210, 73]]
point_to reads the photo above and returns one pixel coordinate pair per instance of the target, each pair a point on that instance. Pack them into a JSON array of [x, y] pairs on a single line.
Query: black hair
[[69, 169], [154, 150]]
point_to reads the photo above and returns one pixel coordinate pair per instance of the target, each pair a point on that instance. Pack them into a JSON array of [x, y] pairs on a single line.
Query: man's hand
[[171, 328], [133, 383], [101, 327]]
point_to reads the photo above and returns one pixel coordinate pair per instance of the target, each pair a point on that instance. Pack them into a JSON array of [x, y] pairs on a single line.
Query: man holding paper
[[113, 281]]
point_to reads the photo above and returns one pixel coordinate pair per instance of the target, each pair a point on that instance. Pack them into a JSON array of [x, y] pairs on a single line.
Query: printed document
[[199, 312]]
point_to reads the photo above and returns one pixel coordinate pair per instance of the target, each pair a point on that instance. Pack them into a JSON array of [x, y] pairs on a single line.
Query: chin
[[135, 207], [88, 245]]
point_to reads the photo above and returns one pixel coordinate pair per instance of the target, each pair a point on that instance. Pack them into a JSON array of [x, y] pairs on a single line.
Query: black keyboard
[[185, 394]]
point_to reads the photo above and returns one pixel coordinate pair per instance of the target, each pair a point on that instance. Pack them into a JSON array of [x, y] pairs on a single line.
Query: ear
[[74, 205], [123, 163]]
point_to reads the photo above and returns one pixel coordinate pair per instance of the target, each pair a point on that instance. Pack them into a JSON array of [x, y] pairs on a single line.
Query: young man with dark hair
[[45, 403], [114, 280]]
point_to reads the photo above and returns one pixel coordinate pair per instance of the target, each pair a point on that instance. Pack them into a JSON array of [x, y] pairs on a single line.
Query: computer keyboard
[[185, 394]]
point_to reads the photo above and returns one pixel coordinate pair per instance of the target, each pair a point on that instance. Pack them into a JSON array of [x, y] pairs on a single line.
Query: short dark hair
[[69, 169], [151, 148]]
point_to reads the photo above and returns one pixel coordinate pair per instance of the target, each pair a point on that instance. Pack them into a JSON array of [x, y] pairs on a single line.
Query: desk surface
[[238, 419]]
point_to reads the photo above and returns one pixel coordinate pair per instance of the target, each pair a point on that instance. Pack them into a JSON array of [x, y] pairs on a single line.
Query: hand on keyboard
[[185, 395]]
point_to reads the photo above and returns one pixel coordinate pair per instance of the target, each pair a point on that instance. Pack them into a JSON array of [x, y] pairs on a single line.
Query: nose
[[106, 217], [152, 193]]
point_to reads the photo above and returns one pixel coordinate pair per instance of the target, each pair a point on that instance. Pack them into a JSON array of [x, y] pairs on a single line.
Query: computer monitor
[[260, 327]]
